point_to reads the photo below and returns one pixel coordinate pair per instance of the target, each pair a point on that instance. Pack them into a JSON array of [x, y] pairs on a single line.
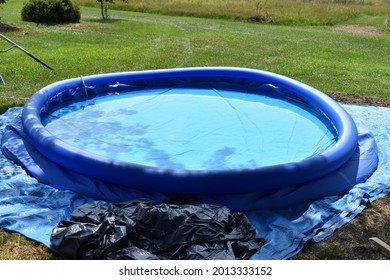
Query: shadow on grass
[[5, 107], [7, 28], [106, 21]]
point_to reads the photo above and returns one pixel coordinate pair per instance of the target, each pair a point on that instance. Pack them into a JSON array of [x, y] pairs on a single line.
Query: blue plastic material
[[211, 182], [361, 165], [34, 209]]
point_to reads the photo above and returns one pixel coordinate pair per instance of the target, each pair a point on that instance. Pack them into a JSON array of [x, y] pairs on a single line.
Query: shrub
[[50, 11]]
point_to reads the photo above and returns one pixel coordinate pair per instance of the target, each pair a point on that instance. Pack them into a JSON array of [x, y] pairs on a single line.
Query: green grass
[[288, 12], [330, 61]]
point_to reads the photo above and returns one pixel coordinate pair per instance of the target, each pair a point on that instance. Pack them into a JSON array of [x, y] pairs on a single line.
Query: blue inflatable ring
[[244, 180]]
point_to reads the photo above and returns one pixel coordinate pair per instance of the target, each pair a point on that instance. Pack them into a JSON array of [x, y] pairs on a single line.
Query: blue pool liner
[[33, 209]]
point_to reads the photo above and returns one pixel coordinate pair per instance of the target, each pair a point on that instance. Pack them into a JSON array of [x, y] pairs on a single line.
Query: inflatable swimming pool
[[201, 131]]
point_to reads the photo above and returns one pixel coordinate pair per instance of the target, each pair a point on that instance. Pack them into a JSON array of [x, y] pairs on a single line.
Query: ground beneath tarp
[[34, 209]]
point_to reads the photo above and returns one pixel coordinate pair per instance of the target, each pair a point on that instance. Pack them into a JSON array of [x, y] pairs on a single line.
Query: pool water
[[194, 128]]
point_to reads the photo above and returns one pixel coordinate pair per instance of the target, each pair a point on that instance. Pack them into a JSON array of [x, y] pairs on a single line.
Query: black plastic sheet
[[142, 229]]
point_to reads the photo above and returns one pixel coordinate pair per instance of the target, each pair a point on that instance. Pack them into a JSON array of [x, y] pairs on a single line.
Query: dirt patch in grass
[[357, 29], [358, 99]]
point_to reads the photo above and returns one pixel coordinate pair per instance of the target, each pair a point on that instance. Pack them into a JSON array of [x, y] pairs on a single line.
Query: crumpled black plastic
[[144, 230]]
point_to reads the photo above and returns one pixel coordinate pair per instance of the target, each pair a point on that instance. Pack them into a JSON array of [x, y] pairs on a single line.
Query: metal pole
[[26, 52]]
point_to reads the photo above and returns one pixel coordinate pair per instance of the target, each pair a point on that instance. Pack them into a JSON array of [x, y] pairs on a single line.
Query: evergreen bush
[[50, 11]]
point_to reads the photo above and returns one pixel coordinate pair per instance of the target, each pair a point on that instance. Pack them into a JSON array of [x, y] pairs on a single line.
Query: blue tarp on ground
[[34, 209]]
